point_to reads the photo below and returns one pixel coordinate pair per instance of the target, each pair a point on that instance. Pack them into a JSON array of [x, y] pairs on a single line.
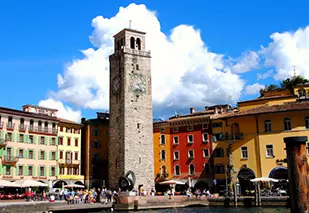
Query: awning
[[264, 179], [30, 183], [168, 182]]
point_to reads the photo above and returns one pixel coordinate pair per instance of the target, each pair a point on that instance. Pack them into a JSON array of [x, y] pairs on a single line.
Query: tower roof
[[130, 30]]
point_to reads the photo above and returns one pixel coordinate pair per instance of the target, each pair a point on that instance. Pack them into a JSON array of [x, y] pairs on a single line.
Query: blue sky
[[39, 39]]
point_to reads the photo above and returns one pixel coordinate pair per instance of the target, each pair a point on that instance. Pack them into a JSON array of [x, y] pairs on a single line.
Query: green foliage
[[268, 88]]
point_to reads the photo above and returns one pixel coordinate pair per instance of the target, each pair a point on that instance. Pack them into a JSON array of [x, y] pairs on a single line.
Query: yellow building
[[162, 151], [255, 135], [69, 153]]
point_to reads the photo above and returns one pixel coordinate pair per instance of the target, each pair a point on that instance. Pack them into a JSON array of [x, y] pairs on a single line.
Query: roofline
[[26, 114], [268, 98], [130, 30], [27, 105], [66, 122]]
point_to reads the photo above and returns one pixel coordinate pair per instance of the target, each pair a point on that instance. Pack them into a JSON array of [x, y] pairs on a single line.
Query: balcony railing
[[42, 130], [10, 125], [8, 159], [22, 127], [76, 162], [227, 137]]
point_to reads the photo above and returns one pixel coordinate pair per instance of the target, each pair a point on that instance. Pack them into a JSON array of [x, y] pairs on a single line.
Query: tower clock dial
[[138, 84], [116, 84]]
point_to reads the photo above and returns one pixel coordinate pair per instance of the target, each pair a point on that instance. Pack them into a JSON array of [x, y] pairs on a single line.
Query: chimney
[[192, 110]]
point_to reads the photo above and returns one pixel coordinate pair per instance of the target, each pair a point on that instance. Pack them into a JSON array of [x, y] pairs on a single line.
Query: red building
[[191, 148]]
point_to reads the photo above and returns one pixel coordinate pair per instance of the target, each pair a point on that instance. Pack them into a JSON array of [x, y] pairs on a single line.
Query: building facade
[[68, 153], [131, 127], [95, 136], [250, 140], [28, 144]]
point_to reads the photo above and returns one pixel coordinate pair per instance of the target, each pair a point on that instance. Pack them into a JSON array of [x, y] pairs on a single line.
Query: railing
[[10, 125], [22, 127], [136, 52], [8, 159], [222, 137], [43, 130], [76, 162]]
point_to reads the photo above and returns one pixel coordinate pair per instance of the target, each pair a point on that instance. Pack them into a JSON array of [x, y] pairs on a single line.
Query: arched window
[[177, 170], [132, 43], [307, 122], [207, 168], [162, 155], [163, 170], [40, 126], [267, 126], [287, 124], [10, 122], [22, 124], [46, 127], [191, 169], [162, 140], [138, 43], [31, 125]]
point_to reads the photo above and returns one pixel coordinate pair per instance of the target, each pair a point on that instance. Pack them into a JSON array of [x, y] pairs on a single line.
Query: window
[[267, 126], [31, 139], [307, 122], [244, 152], [96, 132], [30, 154], [190, 128], [204, 126], [53, 141], [219, 169], [162, 155], [61, 129], [175, 129], [42, 140], [138, 125], [96, 144], [205, 137], [175, 139], [287, 124], [191, 169], [22, 124], [30, 170], [61, 171], [40, 126], [218, 152], [162, 140], [162, 129], [76, 156], [21, 153], [177, 170], [176, 155], [42, 170], [68, 130], [207, 168], [76, 141], [190, 154], [46, 127], [31, 125], [215, 125], [53, 171], [10, 123], [269, 151], [61, 155], [21, 138], [69, 142], [60, 141], [8, 170], [53, 156], [42, 155], [137, 67], [190, 138], [54, 130], [20, 170], [9, 136], [76, 171], [206, 153]]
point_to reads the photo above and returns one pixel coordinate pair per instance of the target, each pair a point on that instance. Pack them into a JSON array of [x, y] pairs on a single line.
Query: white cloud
[[262, 76], [288, 49], [246, 62], [63, 111], [184, 72], [253, 89]]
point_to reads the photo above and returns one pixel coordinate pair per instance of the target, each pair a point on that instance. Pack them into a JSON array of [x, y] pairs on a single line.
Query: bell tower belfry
[[131, 124]]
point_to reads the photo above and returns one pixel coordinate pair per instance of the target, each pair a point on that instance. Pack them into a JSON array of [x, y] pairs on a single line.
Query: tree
[[268, 88], [290, 83]]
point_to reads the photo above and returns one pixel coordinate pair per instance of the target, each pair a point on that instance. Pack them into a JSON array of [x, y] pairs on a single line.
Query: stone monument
[[131, 127]]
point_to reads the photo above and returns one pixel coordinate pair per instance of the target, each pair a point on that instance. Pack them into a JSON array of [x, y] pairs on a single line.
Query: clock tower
[[131, 125]]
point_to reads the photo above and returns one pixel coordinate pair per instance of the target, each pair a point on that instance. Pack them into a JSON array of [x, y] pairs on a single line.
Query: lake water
[[218, 210]]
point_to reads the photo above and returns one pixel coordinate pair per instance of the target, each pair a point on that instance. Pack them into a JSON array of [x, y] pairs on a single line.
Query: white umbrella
[[264, 179], [30, 183], [5, 183], [74, 186], [168, 182]]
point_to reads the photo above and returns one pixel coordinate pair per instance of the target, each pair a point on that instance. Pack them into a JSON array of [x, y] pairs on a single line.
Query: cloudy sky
[[207, 52]]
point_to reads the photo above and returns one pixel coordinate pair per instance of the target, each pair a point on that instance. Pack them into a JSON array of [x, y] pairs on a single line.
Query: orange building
[[95, 136]]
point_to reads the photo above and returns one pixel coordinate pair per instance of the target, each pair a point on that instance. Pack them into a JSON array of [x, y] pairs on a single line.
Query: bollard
[[298, 170]]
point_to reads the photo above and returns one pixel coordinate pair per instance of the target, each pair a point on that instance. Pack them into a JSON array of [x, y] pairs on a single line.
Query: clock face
[[116, 84], [138, 84]]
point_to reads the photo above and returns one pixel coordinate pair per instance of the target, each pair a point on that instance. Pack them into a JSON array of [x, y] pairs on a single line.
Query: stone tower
[[131, 126]]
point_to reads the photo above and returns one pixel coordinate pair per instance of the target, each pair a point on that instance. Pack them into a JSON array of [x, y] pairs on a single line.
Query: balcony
[[227, 137], [3, 143], [10, 126], [22, 127], [42, 130], [76, 162], [8, 159]]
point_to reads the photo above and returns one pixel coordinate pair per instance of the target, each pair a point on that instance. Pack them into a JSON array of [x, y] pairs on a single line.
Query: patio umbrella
[[30, 183], [5, 183], [169, 182], [74, 186], [264, 179]]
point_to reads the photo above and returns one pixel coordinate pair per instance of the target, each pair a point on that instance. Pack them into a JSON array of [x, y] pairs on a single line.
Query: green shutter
[[1, 169], [38, 171], [57, 155], [18, 139], [56, 140], [1, 134], [45, 140], [25, 170], [12, 151], [17, 169], [57, 171], [34, 139], [26, 138], [50, 171], [50, 141], [45, 156], [11, 170], [13, 137], [17, 153], [34, 154], [50, 155], [26, 154], [45, 170]]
